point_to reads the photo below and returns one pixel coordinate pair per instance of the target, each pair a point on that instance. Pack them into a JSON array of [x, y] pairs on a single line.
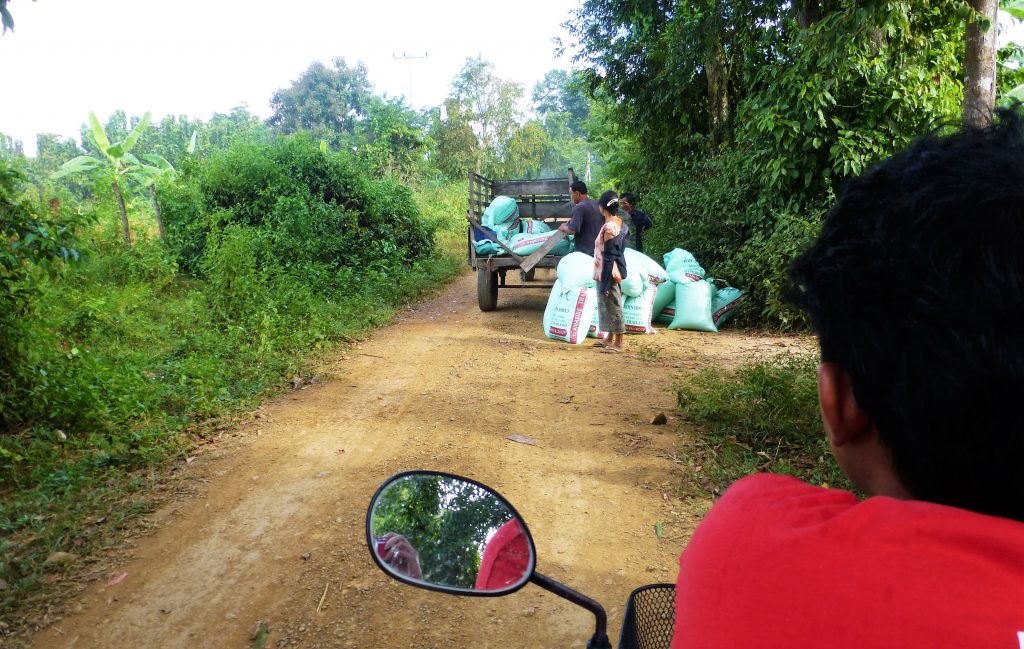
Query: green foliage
[[326, 103], [740, 169], [32, 247], [443, 209], [761, 417], [394, 139], [456, 148], [117, 359], [319, 212], [488, 106]]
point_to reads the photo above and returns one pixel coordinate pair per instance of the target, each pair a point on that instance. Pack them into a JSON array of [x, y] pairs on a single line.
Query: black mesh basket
[[650, 617]]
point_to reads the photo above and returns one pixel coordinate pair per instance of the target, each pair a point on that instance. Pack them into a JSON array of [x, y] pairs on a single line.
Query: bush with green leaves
[[763, 416], [319, 211], [33, 246]]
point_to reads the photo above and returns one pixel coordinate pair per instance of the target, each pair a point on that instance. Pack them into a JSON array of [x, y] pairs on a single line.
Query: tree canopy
[[325, 102]]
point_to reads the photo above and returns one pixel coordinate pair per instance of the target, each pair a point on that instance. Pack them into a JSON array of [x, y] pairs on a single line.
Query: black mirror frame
[[450, 590]]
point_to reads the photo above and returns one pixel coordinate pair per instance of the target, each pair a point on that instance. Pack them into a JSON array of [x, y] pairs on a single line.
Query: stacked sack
[[501, 219], [522, 236], [571, 313], [572, 305], [534, 234], [639, 290], [692, 301]]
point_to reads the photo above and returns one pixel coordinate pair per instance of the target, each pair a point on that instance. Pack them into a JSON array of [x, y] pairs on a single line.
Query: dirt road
[[278, 513]]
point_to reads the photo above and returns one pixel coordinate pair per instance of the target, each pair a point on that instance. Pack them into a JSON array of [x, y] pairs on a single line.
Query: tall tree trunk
[[124, 213], [980, 64], [156, 210], [808, 12], [718, 90]]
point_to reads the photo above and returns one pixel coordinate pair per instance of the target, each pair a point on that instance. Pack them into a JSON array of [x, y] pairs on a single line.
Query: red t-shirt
[[777, 563], [505, 559]]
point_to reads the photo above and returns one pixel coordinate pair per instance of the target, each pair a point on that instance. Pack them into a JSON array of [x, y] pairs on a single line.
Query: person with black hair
[[915, 289], [609, 271], [642, 221], [586, 220]]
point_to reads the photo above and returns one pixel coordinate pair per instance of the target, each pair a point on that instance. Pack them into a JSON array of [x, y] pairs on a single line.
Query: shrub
[[761, 417], [321, 212]]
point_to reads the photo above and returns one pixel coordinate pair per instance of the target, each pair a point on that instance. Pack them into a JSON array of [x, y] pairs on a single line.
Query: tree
[[392, 137], [491, 104], [456, 149], [561, 93], [326, 103], [225, 129], [561, 102], [120, 160], [980, 63]]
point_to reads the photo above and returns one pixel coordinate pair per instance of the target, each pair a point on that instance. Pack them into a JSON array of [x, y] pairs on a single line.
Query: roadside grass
[[761, 417], [140, 367]]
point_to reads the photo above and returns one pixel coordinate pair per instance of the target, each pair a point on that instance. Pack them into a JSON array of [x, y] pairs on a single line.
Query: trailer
[[543, 199]]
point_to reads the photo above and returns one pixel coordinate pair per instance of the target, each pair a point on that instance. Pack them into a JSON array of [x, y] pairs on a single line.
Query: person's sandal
[[611, 350], [599, 344]]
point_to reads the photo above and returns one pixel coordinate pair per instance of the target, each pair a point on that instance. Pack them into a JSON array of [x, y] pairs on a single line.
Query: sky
[[198, 57]]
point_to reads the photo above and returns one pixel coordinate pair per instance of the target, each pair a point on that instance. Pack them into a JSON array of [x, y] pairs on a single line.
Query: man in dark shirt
[[586, 218], [641, 220]]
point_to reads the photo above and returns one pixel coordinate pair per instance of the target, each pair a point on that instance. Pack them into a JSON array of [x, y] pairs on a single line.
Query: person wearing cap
[[586, 219]]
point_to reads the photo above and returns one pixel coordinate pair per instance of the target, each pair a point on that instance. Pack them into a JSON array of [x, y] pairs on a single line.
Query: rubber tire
[[487, 289]]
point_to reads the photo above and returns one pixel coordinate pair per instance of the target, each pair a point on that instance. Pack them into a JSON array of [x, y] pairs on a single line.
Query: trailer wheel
[[487, 289]]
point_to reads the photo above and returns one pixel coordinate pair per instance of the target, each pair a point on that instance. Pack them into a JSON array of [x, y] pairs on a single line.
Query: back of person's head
[[609, 202], [915, 288], [578, 186]]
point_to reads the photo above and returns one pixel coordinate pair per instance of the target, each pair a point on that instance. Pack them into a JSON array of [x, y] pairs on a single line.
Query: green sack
[[666, 296], [502, 212], [525, 244], [682, 267], [569, 313], [533, 226], [668, 314], [693, 307], [724, 303], [575, 270]]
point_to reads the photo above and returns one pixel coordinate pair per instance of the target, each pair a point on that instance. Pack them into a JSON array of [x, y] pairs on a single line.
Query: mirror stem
[[600, 639]]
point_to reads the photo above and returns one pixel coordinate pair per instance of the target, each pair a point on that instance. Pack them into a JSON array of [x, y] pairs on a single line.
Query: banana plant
[[148, 174], [119, 162]]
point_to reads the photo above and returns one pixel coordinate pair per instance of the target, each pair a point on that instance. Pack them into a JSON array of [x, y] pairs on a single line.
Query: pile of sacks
[[677, 294], [523, 236]]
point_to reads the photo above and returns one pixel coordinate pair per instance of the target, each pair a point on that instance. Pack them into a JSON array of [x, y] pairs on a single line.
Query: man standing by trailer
[[586, 219], [641, 220]]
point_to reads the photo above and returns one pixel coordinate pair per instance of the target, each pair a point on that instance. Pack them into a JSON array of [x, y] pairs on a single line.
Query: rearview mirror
[[442, 532]]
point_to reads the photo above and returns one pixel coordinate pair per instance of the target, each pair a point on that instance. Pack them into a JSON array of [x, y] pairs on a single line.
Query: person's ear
[[843, 418]]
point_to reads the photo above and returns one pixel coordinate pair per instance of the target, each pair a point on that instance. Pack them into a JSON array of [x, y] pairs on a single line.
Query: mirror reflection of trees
[[446, 520]]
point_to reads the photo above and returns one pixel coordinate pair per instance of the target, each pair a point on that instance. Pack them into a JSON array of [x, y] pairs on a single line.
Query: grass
[[762, 417], [138, 366]]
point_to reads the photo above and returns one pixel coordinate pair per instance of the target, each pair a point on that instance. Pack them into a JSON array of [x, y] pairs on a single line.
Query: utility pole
[[410, 58]]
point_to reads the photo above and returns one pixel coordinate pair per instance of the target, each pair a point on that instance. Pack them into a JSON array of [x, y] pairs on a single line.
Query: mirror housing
[[447, 533]]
